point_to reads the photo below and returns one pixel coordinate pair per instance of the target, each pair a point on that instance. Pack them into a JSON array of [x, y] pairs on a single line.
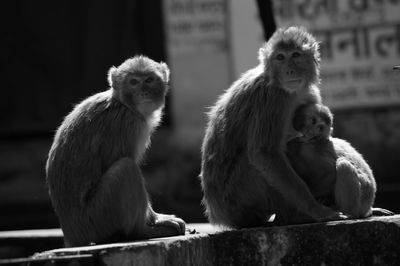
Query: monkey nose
[[290, 72]]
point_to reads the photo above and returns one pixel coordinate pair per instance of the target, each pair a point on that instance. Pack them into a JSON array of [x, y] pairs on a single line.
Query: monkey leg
[[119, 209], [347, 189]]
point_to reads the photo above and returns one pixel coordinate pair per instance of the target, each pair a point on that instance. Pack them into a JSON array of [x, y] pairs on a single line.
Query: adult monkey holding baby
[[246, 176]]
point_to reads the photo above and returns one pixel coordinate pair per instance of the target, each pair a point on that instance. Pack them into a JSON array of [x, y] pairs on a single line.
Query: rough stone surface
[[361, 242], [373, 241]]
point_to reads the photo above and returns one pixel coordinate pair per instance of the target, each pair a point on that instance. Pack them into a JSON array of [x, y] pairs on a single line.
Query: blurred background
[[56, 53]]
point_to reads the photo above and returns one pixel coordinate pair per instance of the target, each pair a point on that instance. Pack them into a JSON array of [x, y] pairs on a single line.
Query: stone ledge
[[23, 243], [373, 241]]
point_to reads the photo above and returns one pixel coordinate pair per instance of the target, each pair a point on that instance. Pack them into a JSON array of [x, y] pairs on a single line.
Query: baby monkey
[[336, 174]]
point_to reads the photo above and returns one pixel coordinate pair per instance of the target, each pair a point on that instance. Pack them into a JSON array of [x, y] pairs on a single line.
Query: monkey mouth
[[151, 103], [292, 81], [314, 138], [292, 84]]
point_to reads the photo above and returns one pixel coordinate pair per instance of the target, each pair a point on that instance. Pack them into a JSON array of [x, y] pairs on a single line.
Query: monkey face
[[315, 128], [140, 84], [292, 58], [288, 71], [146, 91], [292, 68], [314, 122], [146, 87]]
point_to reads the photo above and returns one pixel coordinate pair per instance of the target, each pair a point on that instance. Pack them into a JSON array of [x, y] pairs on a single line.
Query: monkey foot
[[171, 221], [166, 225]]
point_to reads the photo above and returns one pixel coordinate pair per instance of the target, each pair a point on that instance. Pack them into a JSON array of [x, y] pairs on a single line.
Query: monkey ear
[[263, 53], [111, 77], [317, 54], [165, 71]]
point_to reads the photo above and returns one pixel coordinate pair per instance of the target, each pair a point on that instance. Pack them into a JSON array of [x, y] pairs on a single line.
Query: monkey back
[[93, 136]]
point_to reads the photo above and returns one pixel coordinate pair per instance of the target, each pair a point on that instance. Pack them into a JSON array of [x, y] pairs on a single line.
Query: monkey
[[93, 167], [335, 172], [246, 177]]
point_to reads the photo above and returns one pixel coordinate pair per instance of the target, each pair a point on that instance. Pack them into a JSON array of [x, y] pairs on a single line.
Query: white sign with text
[[360, 44]]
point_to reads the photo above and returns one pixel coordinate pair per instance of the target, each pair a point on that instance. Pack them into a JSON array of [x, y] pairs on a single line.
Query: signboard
[[193, 25], [246, 35], [360, 44], [198, 56]]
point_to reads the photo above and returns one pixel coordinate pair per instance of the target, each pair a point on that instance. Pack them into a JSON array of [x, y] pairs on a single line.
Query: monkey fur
[[246, 176], [336, 173], [95, 183]]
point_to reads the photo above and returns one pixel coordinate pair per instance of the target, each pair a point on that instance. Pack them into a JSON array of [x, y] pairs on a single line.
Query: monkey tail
[[381, 212]]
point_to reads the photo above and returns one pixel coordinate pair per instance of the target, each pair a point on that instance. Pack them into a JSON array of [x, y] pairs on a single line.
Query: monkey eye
[[296, 54], [149, 80], [280, 57], [133, 81], [313, 120]]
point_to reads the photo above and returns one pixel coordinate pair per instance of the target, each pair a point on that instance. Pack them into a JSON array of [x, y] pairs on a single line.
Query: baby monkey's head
[[314, 121]]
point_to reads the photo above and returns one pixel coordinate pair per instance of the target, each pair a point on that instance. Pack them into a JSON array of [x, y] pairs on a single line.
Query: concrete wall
[[373, 241]]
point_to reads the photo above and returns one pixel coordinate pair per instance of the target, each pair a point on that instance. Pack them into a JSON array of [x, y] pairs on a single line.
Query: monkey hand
[[331, 215], [294, 135], [335, 216]]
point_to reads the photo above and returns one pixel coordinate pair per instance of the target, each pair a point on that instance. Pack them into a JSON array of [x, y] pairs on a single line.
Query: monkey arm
[[279, 174], [266, 145]]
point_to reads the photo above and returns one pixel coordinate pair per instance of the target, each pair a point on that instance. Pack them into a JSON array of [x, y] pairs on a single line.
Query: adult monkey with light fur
[[246, 176], [93, 173]]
